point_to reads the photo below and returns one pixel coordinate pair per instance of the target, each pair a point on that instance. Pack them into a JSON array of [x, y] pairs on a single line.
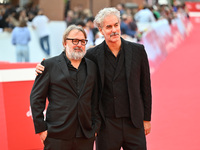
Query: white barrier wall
[[163, 38], [159, 40]]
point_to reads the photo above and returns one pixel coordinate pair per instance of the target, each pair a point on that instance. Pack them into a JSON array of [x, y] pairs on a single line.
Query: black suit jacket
[[65, 108], [138, 79]]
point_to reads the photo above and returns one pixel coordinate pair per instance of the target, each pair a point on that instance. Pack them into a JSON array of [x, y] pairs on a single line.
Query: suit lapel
[[119, 65], [63, 66], [128, 58], [100, 60]]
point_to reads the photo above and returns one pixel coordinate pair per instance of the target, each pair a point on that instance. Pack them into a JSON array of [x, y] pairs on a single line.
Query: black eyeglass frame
[[78, 41]]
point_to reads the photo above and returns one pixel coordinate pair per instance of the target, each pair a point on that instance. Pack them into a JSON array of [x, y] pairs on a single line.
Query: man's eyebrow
[[114, 24], [108, 25]]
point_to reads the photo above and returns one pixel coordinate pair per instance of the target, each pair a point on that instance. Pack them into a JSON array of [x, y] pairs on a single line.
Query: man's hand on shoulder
[[39, 69]]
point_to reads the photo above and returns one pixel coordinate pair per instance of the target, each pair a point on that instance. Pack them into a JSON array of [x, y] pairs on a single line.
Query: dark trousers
[[117, 133], [72, 144]]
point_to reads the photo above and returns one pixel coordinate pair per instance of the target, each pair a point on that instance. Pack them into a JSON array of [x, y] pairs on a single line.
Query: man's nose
[[79, 43], [113, 28]]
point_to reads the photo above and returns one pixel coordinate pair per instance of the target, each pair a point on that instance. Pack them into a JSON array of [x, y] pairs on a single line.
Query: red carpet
[[176, 97]]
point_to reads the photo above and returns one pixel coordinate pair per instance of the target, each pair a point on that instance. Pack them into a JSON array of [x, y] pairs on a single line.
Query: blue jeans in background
[[44, 43], [22, 52]]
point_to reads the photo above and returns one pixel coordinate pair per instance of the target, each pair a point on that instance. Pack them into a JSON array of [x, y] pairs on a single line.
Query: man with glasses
[[70, 83]]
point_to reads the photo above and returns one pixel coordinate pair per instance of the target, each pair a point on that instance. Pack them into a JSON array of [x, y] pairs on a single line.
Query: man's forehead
[[111, 23], [110, 20], [75, 32]]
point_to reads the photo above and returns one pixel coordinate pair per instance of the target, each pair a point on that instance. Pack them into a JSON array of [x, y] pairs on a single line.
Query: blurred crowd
[[10, 15], [15, 20], [131, 19]]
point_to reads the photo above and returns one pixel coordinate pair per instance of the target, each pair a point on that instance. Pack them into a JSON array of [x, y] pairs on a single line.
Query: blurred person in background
[[182, 11], [125, 26], [144, 15], [91, 26], [99, 38], [20, 38], [167, 13], [70, 18], [10, 20], [31, 15], [90, 36], [86, 14], [131, 23], [78, 12], [40, 23], [144, 18], [121, 8], [22, 15], [154, 10], [2, 22]]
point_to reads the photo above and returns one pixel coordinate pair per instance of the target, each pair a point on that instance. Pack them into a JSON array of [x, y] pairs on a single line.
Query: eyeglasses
[[76, 41]]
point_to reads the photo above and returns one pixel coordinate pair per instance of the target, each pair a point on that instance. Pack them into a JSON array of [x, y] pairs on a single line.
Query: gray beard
[[75, 55]]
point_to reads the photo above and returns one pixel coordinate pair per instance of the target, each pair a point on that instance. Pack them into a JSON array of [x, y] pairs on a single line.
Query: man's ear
[[100, 30], [64, 43]]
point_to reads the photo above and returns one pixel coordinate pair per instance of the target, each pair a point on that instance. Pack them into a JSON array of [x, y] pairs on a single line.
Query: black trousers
[[72, 144], [117, 133]]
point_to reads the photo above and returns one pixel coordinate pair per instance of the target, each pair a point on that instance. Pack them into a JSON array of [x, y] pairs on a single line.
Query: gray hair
[[102, 14], [70, 28]]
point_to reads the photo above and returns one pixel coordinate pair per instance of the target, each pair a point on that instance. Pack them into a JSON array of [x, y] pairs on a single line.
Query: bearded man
[[69, 82]]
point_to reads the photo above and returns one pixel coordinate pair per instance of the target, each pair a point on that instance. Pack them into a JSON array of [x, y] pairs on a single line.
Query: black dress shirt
[[78, 77], [115, 93]]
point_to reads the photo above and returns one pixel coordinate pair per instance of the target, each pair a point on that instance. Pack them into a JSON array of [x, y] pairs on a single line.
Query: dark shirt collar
[[108, 51]]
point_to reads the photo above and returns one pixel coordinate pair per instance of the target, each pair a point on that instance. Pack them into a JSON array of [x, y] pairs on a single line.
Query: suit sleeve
[[96, 117], [38, 100], [146, 86]]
